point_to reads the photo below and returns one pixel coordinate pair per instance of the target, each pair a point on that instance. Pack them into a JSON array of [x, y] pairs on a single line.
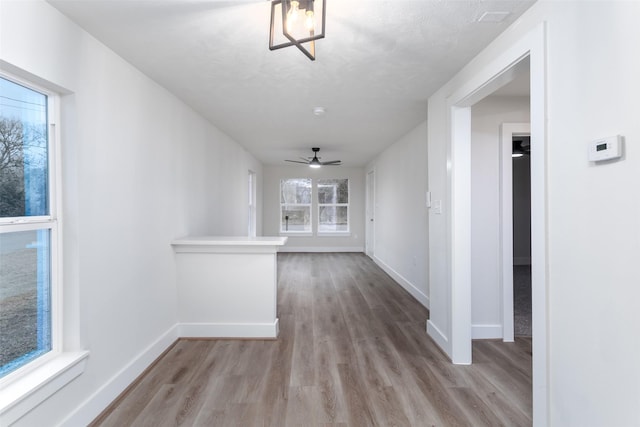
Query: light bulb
[[292, 15], [315, 163], [309, 22]]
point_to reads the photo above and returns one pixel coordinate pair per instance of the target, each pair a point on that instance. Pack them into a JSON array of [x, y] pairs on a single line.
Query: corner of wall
[[88, 410]]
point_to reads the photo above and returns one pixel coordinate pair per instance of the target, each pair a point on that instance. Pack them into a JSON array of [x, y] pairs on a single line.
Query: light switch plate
[[437, 207]]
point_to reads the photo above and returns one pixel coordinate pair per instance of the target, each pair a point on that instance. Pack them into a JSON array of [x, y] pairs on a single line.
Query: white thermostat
[[605, 148]]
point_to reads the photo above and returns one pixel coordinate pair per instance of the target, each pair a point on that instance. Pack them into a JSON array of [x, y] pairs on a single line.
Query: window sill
[[334, 234], [296, 233], [29, 390]]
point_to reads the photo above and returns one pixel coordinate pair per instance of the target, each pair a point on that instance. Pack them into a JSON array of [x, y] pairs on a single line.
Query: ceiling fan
[[521, 146], [315, 161]]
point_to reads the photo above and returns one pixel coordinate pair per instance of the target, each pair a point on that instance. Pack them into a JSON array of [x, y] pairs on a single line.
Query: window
[[295, 205], [252, 220], [28, 227], [333, 206]]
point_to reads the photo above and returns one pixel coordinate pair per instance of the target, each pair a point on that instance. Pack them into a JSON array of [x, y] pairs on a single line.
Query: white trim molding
[[229, 330], [436, 334], [21, 396], [486, 332], [484, 81], [88, 410], [420, 296], [321, 249]]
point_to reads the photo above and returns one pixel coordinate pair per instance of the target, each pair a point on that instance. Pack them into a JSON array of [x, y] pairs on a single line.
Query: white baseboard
[[321, 249], [88, 410], [484, 332], [229, 330], [407, 285], [521, 260], [441, 340]]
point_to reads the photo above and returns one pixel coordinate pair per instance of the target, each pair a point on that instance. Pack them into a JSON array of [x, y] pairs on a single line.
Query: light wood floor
[[352, 351]]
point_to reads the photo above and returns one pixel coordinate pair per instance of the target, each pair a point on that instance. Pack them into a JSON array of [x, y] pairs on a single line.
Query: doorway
[[486, 79], [521, 235], [370, 214], [515, 228], [251, 211]]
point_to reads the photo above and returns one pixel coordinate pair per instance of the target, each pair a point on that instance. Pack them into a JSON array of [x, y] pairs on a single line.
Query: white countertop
[[229, 241]]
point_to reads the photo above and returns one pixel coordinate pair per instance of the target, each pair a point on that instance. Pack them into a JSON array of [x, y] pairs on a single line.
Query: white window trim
[[333, 233], [32, 388], [303, 233], [31, 384], [252, 220]]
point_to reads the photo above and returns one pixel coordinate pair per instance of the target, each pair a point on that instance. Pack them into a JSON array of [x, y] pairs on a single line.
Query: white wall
[[401, 223], [139, 169], [593, 233], [486, 291], [271, 200]]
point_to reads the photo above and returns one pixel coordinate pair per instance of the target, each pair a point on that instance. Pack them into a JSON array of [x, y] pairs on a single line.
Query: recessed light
[[493, 16]]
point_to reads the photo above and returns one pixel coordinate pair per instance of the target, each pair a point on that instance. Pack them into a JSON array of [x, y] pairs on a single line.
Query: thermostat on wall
[[605, 148]]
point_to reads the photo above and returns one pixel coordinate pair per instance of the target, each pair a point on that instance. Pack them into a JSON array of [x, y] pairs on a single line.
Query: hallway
[[352, 351]]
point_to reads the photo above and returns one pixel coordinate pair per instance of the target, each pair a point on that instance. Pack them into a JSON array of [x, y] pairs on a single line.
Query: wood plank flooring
[[352, 351]]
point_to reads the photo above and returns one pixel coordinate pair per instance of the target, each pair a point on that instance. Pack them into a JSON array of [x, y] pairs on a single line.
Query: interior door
[[370, 214]]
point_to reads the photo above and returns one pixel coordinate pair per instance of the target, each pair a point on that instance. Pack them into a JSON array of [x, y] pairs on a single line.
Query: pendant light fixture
[[297, 23]]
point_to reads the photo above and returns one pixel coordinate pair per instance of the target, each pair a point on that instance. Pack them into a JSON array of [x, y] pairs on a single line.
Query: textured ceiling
[[375, 69]]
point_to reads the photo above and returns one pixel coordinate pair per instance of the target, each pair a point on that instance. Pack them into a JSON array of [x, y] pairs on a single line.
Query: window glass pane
[[333, 191], [23, 151], [25, 298], [296, 218], [333, 218], [295, 191]]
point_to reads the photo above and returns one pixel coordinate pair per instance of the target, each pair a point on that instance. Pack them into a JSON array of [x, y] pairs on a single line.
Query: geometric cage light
[[297, 23]]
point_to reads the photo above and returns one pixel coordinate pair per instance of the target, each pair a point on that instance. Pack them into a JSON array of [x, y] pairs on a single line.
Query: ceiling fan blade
[[295, 161], [314, 161]]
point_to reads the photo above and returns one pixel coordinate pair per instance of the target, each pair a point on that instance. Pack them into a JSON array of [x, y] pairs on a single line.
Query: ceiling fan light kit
[[297, 23], [319, 111], [315, 161], [521, 146]]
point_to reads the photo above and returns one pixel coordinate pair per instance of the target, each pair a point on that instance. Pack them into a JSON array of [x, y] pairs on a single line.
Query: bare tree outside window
[[23, 168], [333, 205], [25, 261], [295, 205]]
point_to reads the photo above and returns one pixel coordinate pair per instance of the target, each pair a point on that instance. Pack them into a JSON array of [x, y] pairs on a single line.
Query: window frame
[[310, 205], [346, 232], [252, 209], [29, 385], [49, 222]]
